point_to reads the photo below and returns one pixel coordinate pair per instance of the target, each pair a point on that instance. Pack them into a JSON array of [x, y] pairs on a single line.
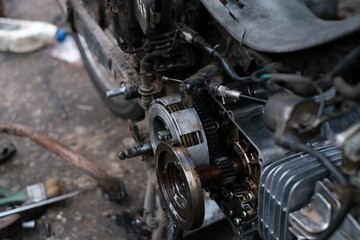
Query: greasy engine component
[[180, 184], [169, 119], [127, 30], [178, 164], [152, 14], [134, 19]]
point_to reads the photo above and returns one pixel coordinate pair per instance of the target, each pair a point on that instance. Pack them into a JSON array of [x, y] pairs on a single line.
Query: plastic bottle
[[21, 36]]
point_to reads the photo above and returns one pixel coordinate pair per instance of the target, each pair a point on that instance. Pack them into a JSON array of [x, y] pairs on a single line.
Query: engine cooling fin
[[210, 127], [286, 186]]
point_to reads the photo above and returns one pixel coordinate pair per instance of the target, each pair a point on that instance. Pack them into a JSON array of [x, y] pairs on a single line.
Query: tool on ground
[[33, 193], [38, 204], [7, 151]]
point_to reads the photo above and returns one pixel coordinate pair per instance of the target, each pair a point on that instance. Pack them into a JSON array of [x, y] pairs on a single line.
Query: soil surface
[[89, 128]]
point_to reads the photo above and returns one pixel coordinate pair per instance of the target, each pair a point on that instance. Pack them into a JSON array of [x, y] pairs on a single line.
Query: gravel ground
[[89, 129]]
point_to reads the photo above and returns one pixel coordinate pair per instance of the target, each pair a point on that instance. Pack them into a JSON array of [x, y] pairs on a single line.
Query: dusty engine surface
[[264, 119]]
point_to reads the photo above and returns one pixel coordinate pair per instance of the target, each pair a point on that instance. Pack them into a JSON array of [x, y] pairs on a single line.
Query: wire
[[260, 100], [346, 194], [324, 161], [321, 100], [226, 65]]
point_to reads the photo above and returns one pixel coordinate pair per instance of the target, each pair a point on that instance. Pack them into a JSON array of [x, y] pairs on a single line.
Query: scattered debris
[[134, 228], [24, 36], [67, 51]]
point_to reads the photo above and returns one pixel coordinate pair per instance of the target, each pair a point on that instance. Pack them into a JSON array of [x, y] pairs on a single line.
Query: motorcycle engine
[[263, 130]]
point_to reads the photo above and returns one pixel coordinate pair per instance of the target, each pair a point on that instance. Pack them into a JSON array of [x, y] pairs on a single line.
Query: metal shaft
[[38, 204], [115, 93], [135, 151]]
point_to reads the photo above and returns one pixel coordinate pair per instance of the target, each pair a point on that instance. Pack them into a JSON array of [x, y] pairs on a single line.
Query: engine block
[[287, 185]]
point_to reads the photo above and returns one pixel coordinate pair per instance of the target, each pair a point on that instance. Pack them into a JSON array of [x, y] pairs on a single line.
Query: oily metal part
[[210, 126], [180, 185], [168, 119]]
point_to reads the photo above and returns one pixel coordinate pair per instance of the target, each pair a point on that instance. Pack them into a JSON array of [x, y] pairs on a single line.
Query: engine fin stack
[[286, 186]]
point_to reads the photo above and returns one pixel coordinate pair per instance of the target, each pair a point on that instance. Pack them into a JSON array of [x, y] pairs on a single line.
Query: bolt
[[249, 213], [29, 224], [163, 135], [115, 93], [230, 213], [237, 221]]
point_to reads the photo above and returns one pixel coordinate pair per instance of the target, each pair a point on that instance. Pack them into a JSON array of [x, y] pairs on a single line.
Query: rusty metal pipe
[[108, 183]]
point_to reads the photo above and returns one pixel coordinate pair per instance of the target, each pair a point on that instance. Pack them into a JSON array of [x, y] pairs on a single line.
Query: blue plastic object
[[61, 35]]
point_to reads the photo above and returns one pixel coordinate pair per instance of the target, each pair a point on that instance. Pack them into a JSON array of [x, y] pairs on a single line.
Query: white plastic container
[[21, 36]]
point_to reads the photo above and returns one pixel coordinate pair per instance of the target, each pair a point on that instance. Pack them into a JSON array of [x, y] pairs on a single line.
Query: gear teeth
[[227, 170], [210, 127]]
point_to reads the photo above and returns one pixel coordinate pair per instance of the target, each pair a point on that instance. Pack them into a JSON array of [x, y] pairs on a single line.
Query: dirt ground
[[89, 129]]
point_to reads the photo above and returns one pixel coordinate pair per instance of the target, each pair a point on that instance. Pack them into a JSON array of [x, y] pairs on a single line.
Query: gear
[[210, 127], [227, 170]]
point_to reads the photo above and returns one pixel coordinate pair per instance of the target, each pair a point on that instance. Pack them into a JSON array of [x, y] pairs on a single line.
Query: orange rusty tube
[[107, 182]]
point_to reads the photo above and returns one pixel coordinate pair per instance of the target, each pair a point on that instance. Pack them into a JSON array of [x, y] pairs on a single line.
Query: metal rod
[[107, 182], [135, 151], [38, 204]]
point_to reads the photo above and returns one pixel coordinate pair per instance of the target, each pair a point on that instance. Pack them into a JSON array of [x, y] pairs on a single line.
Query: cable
[[260, 100], [346, 194], [226, 65], [321, 100], [324, 161]]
